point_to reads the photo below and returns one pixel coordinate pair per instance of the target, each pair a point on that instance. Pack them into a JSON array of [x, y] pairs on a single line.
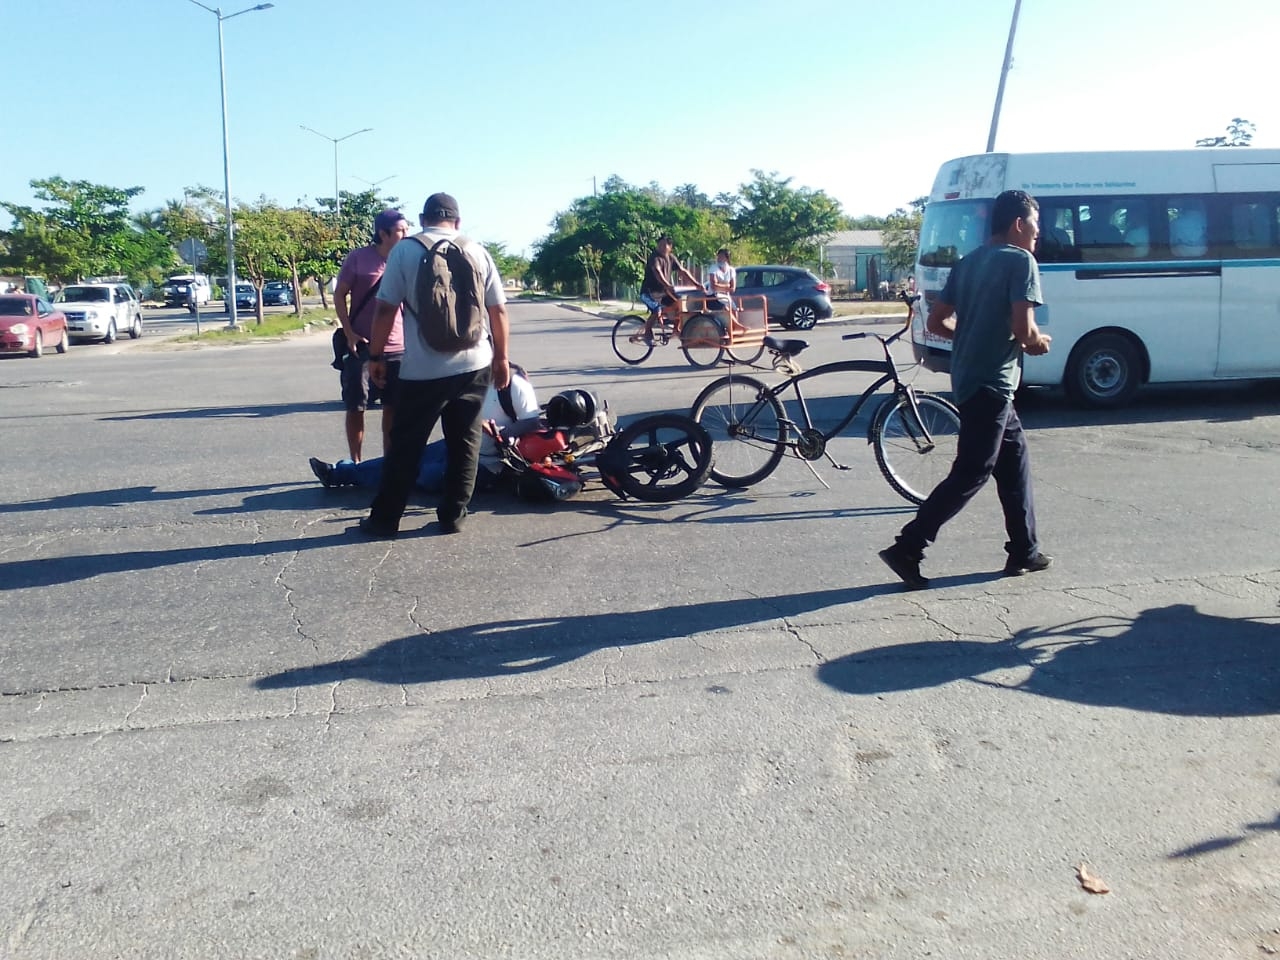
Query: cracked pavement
[[713, 728]]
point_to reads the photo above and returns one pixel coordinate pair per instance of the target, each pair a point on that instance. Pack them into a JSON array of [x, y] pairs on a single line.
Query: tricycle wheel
[[657, 459]]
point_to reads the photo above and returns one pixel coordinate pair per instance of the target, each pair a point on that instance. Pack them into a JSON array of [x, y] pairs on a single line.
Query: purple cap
[[387, 221]]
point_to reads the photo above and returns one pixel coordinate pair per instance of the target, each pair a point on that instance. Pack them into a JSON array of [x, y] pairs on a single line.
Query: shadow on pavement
[[250, 411], [1172, 660], [510, 647], [127, 495]]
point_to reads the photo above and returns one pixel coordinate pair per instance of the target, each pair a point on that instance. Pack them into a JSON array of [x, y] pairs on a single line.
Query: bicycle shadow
[[256, 411], [123, 496], [1172, 660]]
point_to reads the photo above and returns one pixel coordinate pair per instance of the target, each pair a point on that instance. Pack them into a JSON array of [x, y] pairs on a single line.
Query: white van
[[1156, 266]]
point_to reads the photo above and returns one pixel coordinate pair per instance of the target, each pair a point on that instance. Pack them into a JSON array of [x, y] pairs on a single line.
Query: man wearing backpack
[[455, 346]]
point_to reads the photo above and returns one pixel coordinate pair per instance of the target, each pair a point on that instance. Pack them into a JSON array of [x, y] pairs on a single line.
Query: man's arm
[[341, 293], [942, 320], [687, 275], [384, 318], [500, 329], [1025, 330]]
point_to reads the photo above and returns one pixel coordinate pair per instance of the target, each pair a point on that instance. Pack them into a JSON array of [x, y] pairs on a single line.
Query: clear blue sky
[[515, 107]]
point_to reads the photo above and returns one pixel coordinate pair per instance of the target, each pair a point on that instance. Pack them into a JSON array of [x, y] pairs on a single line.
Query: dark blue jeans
[[991, 444], [456, 402]]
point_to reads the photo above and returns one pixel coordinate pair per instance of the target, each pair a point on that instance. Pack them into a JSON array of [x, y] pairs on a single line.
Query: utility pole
[[1004, 72]]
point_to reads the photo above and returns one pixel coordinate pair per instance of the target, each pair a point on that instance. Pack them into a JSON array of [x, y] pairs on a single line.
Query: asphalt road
[[715, 728]]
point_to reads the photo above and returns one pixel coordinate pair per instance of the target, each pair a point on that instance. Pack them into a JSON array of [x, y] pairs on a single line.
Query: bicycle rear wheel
[[625, 345], [657, 459], [702, 340], [747, 425], [915, 454]]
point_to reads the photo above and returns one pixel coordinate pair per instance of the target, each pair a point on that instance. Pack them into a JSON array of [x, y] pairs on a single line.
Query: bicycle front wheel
[[702, 340], [627, 342], [915, 453], [748, 427]]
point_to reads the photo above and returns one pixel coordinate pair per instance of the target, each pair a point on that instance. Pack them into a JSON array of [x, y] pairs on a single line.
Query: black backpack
[[449, 290]]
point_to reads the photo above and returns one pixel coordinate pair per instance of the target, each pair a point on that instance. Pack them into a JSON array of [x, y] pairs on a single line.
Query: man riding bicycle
[[658, 291]]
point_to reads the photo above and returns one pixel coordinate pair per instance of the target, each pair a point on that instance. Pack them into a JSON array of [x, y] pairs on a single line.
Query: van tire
[[1104, 370]]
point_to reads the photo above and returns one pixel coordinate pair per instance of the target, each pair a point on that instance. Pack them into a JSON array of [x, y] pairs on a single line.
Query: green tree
[[621, 226], [511, 266], [786, 224], [901, 234], [1239, 134], [84, 229], [260, 235]]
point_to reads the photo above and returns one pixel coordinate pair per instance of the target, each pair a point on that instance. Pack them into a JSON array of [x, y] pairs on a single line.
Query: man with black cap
[[434, 385], [359, 279]]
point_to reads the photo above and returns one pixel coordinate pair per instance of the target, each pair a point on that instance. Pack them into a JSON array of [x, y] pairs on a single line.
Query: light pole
[[1004, 72], [374, 184], [337, 196], [227, 156]]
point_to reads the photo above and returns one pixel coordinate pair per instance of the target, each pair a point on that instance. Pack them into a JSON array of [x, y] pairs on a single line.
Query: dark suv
[[797, 298]]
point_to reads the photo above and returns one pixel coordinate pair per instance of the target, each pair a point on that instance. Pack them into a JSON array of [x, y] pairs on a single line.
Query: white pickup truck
[[100, 311]]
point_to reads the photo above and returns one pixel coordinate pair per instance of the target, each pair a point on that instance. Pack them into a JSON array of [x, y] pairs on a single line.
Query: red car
[[28, 323]]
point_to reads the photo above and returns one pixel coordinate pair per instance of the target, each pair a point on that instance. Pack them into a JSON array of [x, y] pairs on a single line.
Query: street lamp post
[[337, 196], [230, 292], [374, 184], [1004, 73]]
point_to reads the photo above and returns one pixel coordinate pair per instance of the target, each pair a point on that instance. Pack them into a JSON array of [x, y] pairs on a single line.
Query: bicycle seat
[[786, 348]]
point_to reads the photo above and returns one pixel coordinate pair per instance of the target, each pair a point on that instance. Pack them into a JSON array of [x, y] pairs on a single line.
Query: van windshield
[[952, 229]]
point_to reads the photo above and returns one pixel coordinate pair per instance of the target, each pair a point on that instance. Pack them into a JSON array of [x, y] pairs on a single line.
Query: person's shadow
[[1173, 660], [509, 647]]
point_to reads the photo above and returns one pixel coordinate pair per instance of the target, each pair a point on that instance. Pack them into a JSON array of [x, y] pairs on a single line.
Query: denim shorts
[[654, 305], [358, 391]]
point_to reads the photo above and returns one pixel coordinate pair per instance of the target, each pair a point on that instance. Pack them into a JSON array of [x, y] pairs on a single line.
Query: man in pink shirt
[[355, 299]]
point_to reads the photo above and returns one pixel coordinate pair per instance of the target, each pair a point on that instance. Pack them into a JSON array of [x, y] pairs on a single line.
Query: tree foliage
[[84, 229], [604, 240], [901, 235], [787, 224], [1239, 134]]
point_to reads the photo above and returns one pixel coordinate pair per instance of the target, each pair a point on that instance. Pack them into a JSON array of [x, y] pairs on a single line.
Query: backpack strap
[[504, 395]]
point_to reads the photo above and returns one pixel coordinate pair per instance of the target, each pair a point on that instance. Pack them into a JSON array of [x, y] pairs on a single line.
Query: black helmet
[[571, 408]]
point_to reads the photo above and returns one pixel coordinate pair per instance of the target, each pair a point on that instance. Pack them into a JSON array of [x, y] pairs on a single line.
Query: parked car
[[99, 311], [796, 297], [177, 291], [28, 323], [246, 298], [277, 293]]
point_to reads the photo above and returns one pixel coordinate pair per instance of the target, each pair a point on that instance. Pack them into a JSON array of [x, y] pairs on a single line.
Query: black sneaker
[[1033, 564], [371, 530], [907, 568], [323, 472]]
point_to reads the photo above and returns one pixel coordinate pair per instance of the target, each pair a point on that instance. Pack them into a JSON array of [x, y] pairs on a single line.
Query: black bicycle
[[913, 433]]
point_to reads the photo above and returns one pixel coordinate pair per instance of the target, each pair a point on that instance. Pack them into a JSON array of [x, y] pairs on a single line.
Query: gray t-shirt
[[983, 288], [399, 282]]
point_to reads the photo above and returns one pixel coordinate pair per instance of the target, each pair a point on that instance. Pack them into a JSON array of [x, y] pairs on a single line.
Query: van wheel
[[1104, 371]]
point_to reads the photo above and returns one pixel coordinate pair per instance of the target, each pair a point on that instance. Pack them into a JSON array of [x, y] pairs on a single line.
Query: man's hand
[[378, 372], [1040, 346], [501, 373]]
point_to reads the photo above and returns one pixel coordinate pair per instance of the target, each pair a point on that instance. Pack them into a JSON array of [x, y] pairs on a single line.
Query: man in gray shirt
[[433, 385], [987, 310]]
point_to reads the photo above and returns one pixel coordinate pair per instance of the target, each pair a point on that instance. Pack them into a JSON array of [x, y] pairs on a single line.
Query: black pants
[[991, 444], [456, 402]]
